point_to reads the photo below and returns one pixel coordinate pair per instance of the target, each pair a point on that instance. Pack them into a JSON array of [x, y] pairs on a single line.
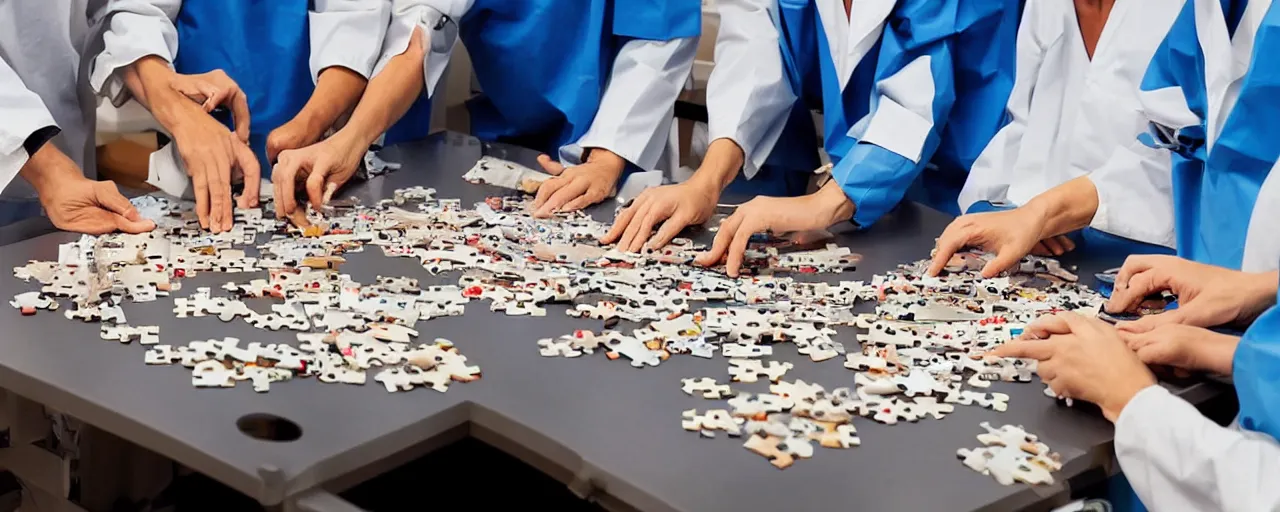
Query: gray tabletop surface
[[602, 419]]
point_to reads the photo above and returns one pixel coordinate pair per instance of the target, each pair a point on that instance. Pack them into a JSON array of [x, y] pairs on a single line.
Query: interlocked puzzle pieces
[[1011, 454]]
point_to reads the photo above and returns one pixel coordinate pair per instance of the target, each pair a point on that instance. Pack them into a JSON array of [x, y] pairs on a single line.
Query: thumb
[[108, 196], [1150, 322], [133, 225], [551, 166], [1004, 259]]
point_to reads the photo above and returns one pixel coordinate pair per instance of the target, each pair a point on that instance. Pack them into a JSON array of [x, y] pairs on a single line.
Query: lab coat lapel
[[1242, 44], [1113, 25], [835, 27], [865, 26]]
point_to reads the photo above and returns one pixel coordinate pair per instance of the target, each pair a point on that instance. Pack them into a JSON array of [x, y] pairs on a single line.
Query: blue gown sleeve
[[913, 95]]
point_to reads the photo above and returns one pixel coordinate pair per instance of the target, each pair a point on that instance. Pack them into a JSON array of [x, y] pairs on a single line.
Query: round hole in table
[[268, 427]]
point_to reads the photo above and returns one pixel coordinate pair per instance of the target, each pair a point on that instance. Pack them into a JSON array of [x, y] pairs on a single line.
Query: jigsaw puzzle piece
[[707, 387], [715, 419]]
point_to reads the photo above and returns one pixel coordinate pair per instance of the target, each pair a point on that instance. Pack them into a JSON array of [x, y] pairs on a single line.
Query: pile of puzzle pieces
[[1011, 454]]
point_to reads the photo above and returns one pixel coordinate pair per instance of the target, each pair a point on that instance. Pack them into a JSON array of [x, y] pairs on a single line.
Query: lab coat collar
[[851, 38]]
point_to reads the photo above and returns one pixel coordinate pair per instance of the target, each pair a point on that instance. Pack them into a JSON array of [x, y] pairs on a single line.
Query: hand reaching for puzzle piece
[[1208, 296], [1184, 347]]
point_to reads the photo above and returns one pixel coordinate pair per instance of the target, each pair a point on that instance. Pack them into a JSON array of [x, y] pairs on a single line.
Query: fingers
[[952, 240], [669, 230], [248, 164], [721, 243], [1135, 265], [201, 189], [199, 91], [1040, 250], [1039, 350], [1083, 325], [1136, 289], [1047, 370], [555, 202], [1156, 353], [316, 184], [548, 189], [633, 227], [587, 199], [240, 111], [1150, 322], [552, 167], [219, 183], [283, 179], [1067, 244], [1046, 326], [134, 226], [1004, 259], [738, 248], [621, 223], [646, 229], [1053, 245], [108, 196]]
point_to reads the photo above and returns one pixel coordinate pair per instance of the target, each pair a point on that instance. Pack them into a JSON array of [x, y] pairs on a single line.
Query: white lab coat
[[635, 111], [345, 33], [1262, 242], [748, 95], [1075, 117], [1176, 459], [40, 67]]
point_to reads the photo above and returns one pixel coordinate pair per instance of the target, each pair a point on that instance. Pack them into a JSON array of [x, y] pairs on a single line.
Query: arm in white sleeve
[[138, 28], [636, 109], [439, 22], [347, 33], [748, 93], [1176, 459], [24, 113], [992, 172], [1135, 194]]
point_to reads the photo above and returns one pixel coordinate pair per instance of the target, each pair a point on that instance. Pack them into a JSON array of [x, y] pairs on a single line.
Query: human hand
[[1054, 246], [1208, 296], [214, 89], [75, 203], [1082, 358], [675, 206], [580, 186], [295, 134], [1185, 347], [321, 167], [1009, 234], [818, 210]]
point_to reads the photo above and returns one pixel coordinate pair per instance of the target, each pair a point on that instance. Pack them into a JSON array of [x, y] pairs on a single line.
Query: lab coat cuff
[[143, 37], [441, 34], [1148, 407], [898, 129], [752, 161], [167, 172], [350, 39]]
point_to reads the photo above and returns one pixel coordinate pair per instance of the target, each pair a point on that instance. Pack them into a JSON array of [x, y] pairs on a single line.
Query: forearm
[[720, 166], [47, 167], [337, 92], [389, 95], [148, 80], [833, 203], [1066, 207]]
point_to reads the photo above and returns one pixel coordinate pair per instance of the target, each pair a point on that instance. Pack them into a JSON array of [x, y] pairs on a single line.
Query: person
[[1068, 169], [1209, 96], [47, 134], [890, 84], [1173, 457], [225, 44], [594, 82]]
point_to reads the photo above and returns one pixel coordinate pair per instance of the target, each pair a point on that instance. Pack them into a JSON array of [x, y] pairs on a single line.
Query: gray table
[[610, 430]]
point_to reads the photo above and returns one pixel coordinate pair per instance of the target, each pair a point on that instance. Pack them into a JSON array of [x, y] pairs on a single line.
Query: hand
[[1208, 296], [1185, 347], [213, 89], [1082, 358], [1054, 246], [675, 206], [818, 210], [579, 186], [322, 167], [1009, 234], [297, 133]]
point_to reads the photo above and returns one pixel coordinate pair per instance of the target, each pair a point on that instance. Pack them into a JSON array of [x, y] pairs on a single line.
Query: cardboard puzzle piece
[[105, 312], [29, 302], [781, 452], [633, 349], [737, 351], [707, 387], [1011, 455], [798, 391], [995, 401], [835, 435], [748, 370], [563, 347], [706, 424], [758, 407], [145, 334]]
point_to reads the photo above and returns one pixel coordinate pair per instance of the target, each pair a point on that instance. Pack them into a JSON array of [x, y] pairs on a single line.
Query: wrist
[[1036, 211], [1120, 398], [832, 200], [47, 168], [721, 165], [606, 160]]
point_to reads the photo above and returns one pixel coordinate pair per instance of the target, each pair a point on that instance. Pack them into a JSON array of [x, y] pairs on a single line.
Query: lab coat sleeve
[[439, 21], [347, 33], [638, 104], [1176, 459], [137, 29], [913, 95], [24, 113], [1135, 195], [748, 94], [991, 173]]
